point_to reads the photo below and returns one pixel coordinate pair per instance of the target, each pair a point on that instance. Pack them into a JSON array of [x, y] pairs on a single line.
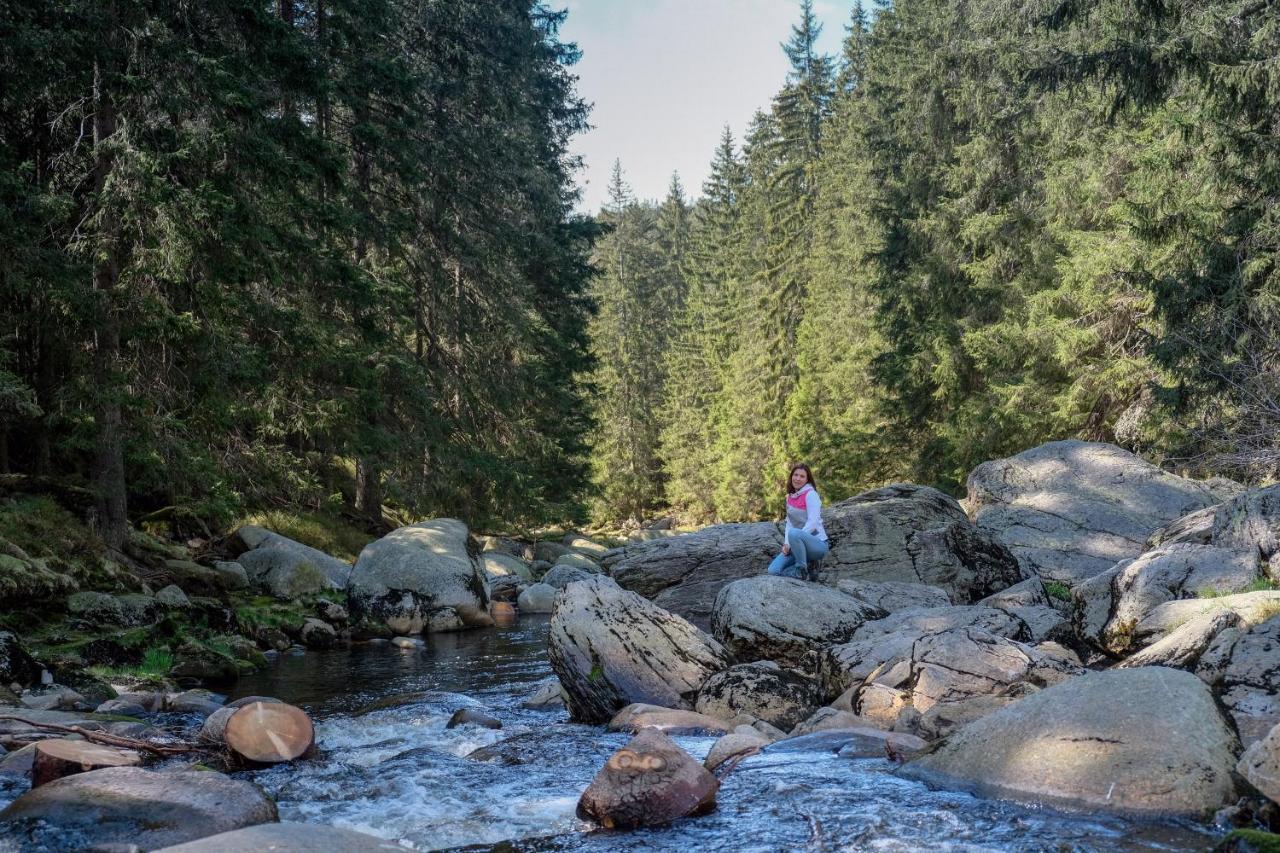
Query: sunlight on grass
[[322, 532]]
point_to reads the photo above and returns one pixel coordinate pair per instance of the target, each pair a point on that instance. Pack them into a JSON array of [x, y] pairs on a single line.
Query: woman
[[805, 540]]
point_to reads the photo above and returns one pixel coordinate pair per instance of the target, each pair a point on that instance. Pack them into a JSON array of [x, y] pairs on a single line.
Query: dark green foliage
[[250, 246]]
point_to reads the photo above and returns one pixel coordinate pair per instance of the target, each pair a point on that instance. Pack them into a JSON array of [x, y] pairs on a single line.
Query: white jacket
[[804, 512]]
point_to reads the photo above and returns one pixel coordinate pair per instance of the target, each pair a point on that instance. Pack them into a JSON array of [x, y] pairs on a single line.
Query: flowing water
[[389, 767]]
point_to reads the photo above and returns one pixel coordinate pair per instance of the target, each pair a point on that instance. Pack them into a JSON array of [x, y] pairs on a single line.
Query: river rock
[[1183, 647], [578, 561], [279, 562], [562, 574], [639, 716], [1147, 740], [934, 681], [854, 742], [233, 575], [505, 588], [1134, 588], [1252, 608], [122, 708], [549, 551], [194, 662], [538, 598], [420, 577], [1248, 522], [172, 596], [286, 837], [96, 608], [54, 697], [783, 619], [583, 545], [892, 596], [915, 534], [738, 744], [549, 696], [1243, 667], [200, 702], [1029, 602], [648, 782], [317, 634], [829, 718], [611, 647], [129, 805], [684, 574], [472, 717], [1260, 765], [764, 690], [1069, 510], [497, 564], [17, 666]]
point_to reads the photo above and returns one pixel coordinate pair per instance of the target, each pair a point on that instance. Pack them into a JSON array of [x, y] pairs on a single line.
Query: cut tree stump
[[56, 758], [263, 732]]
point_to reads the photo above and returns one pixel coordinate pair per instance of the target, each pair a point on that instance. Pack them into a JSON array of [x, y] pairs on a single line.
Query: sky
[[665, 76]]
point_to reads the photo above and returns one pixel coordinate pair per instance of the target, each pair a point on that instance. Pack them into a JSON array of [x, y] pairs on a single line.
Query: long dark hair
[[799, 466]]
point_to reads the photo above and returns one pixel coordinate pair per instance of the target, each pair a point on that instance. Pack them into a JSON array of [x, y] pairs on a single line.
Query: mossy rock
[[1249, 841], [199, 663], [93, 689]]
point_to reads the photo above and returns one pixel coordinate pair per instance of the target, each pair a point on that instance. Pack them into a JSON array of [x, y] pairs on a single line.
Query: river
[[395, 771]]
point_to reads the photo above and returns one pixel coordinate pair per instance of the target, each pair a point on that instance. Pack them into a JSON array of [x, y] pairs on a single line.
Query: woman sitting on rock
[[805, 540]]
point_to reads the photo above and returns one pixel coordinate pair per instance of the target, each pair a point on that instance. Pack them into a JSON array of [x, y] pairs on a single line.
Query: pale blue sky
[[665, 76]]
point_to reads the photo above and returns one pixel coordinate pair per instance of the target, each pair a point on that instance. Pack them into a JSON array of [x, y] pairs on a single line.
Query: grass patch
[[1259, 585], [156, 663], [1250, 839], [319, 530], [1058, 590]]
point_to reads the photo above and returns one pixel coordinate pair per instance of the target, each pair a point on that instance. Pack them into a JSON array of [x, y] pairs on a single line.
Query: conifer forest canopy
[[325, 253]]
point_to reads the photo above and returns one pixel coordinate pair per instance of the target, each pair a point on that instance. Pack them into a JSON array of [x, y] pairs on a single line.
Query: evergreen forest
[[327, 254], [982, 226]]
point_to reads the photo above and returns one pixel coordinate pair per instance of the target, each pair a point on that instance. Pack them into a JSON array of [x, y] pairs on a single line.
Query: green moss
[[1249, 841], [321, 531], [1058, 590], [1259, 585]]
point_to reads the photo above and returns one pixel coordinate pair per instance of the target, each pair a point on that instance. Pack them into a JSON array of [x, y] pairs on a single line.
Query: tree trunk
[[369, 489], [268, 732], [56, 758], [108, 465]]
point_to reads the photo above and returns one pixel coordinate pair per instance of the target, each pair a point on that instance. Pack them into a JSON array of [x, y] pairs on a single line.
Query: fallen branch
[[161, 750]]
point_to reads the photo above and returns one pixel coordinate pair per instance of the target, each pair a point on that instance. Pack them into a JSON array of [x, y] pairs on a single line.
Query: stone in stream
[[317, 634], [1148, 741], [611, 647], [562, 574], [784, 619], [854, 742], [738, 744], [129, 805], [578, 561], [420, 578], [649, 782], [762, 689], [537, 598], [472, 717], [639, 716], [497, 564], [548, 696], [286, 837], [1069, 510]]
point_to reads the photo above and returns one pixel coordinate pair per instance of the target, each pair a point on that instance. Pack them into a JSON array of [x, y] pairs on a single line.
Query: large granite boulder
[[561, 575], [648, 782], [420, 578], [763, 690], [892, 596], [1243, 667], [537, 598], [639, 716], [612, 647], [1248, 521], [285, 568], [1072, 509], [1030, 602], [1147, 740], [783, 619], [129, 805], [905, 533], [1183, 647], [1253, 608], [683, 574], [1111, 605], [944, 680]]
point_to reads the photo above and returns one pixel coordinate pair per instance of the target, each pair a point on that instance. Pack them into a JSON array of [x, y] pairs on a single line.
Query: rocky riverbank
[[1039, 641]]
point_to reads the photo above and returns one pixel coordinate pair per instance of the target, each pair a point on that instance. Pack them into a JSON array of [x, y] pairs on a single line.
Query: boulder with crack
[[1243, 667], [906, 533], [1110, 607], [784, 619], [611, 647], [762, 689], [1149, 741], [1069, 510]]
